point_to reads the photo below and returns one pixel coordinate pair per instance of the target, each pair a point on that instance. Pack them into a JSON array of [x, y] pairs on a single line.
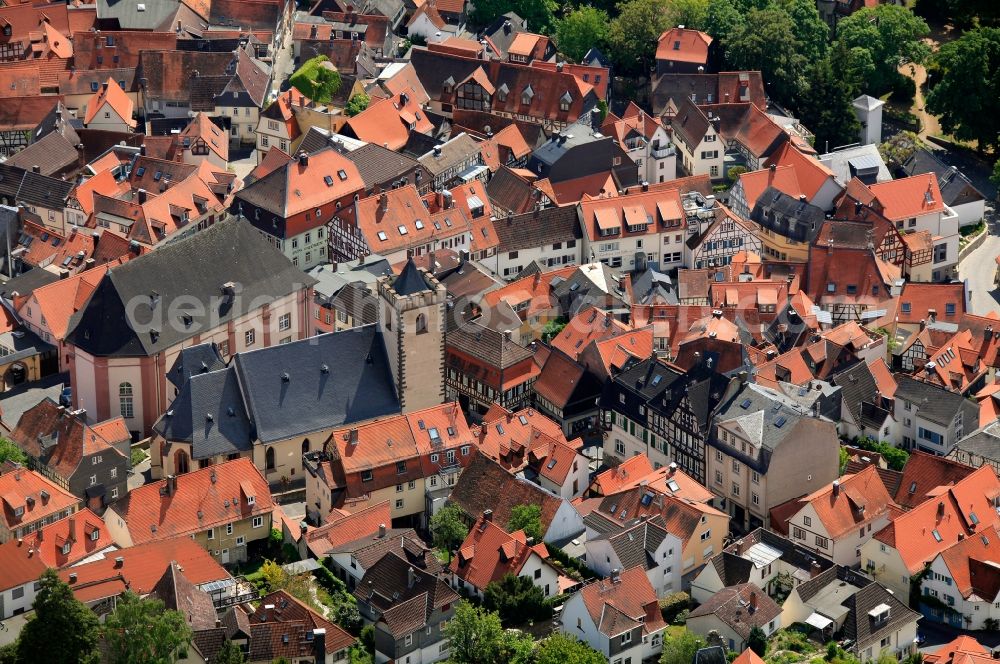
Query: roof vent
[[285, 377], [324, 368]]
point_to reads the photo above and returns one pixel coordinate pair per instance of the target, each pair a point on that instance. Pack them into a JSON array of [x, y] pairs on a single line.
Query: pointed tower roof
[[410, 280]]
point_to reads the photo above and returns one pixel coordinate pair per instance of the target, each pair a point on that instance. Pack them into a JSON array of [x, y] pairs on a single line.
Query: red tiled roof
[[141, 567], [386, 122], [923, 473], [340, 529], [23, 560], [22, 489], [623, 476], [855, 499], [973, 566], [590, 324], [202, 130], [202, 499], [619, 606], [810, 172], [683, 45], [112, 95], [963, 650], [489, 553], [908, 197], [936, 523]]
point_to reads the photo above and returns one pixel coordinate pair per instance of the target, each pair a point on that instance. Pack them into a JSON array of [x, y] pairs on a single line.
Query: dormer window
[[527, 95], [251, 500], [65, 548], [565, 101], [502, 92]]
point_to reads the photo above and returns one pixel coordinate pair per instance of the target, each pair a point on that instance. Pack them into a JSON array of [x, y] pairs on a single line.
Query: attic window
[[402, 229], [500, 429], [328, 180], [677, 45], [906, 307], [745, 404], [937, 535], [780, 422], [94, 85], [565, 101], [140, 171], [551, 464], [419, 225], [157, 176], [527, 95], [522, 419], [342, 174], [913, 488], [382, 236]]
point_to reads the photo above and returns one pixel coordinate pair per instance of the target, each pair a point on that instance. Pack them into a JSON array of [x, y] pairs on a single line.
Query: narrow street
[[979, 268]]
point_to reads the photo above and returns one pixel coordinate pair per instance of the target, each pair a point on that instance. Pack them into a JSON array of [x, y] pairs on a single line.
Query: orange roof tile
[[936, 523], [588, 325], [683, 45], [533, 289], [202, 499], [810, 172], [783, 178], [972, 564], [849, 501], [963, 650], [489, 553], [908, 197], [104, 182], [383, 122], [21, 489], [622, 605], [202, 131], [141, 567], [623, 476], [342, 528], [112, 95]]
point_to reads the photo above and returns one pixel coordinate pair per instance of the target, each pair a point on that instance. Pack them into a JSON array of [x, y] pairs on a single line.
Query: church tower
[[411, 316]]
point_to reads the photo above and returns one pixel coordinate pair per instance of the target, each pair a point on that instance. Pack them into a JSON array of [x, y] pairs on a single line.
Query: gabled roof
[[23, 560], [141, 567], [286, 630], [197, 266], [202, 129], [923, 474], [304, 184], [22, 490], [937, 523], [402, 596], [489, 553], [683, 45], [909, 197], [973, 565], [178, 594], [202, 499], [113, 96], [58, 301], [851, 500], [360, 527], [963, 650], [741, 607], [621, 604], [62, 441]]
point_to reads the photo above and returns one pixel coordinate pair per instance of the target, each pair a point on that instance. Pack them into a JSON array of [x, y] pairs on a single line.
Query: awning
[[818, 621]]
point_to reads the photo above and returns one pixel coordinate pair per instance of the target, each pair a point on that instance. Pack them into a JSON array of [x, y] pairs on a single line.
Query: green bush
[[903, 89], [895, 457], [673, 604]]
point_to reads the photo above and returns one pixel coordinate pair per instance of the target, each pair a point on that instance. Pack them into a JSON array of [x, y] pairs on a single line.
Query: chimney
[[384, 201], [303, 159], [119, 562], [753, 601], [381, 531], [319, 644], [141, 195], [836, 488], [437, 150], [645, 186], [488, 515], [411, 578], [448, 200], [673, 467], [36, 169], [72, 577], [940, 509], [353, 437], [142, 150], [616, 576], [171, 485], [923, 323]]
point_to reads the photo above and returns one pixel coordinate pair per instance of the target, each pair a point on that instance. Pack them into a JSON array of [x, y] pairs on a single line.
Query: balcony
[[230, 592], [662, 153]]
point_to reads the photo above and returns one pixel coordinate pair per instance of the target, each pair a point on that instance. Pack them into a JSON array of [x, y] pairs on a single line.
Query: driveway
[[979, 268]]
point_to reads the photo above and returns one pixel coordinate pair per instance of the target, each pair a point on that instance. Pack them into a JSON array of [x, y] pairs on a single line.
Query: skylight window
[[913, 488], [140, 171], [402, 229], [673, 486], [382, 236], [745, 404], [419, 225], [973, 518], [780, 422], [522, 419], [328, 180], [157, 176], [500, 429], [342, 174], [656, 379], [551, 464], [937, 535]]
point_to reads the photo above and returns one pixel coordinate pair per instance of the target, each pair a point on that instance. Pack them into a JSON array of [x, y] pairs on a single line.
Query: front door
[[225, 556]]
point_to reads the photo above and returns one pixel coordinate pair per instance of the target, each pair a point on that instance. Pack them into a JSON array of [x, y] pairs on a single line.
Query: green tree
[[9, 451], [995, 176], [230, 653], [317, 79], [62, 631], [826, 108], [634, 32], [680, 648], [517, 600], [890, 34], [327, 84], [766, 41], [844, 459], [757, 640], [356, 104], [965, 99], [852, 67], [477, 637], [689, 13], [722, 18], [538, 13], [552, 328], [527, 518], [563, 649], [810, 29], [144, 631], [448, 529], [581, 29]]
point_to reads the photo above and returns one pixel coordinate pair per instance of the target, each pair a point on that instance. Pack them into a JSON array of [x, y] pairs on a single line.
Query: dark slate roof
[[402, 606], [984, 442], [935, 403], [956, 189], [195, 360], [858, 387], [504, 29], [128, 17], [653, 287], [27, 282], [378, 165], [636, 546], [10, 182], [836, 574], [44, 191], [196, 267], [537, 228], [410, 281], [209, 413], [487, 345], [288, 392], [862, 628], [788, 217], [52, 154]]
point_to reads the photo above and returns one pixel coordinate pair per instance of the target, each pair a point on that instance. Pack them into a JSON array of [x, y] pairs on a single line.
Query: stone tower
[[411, 316]]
